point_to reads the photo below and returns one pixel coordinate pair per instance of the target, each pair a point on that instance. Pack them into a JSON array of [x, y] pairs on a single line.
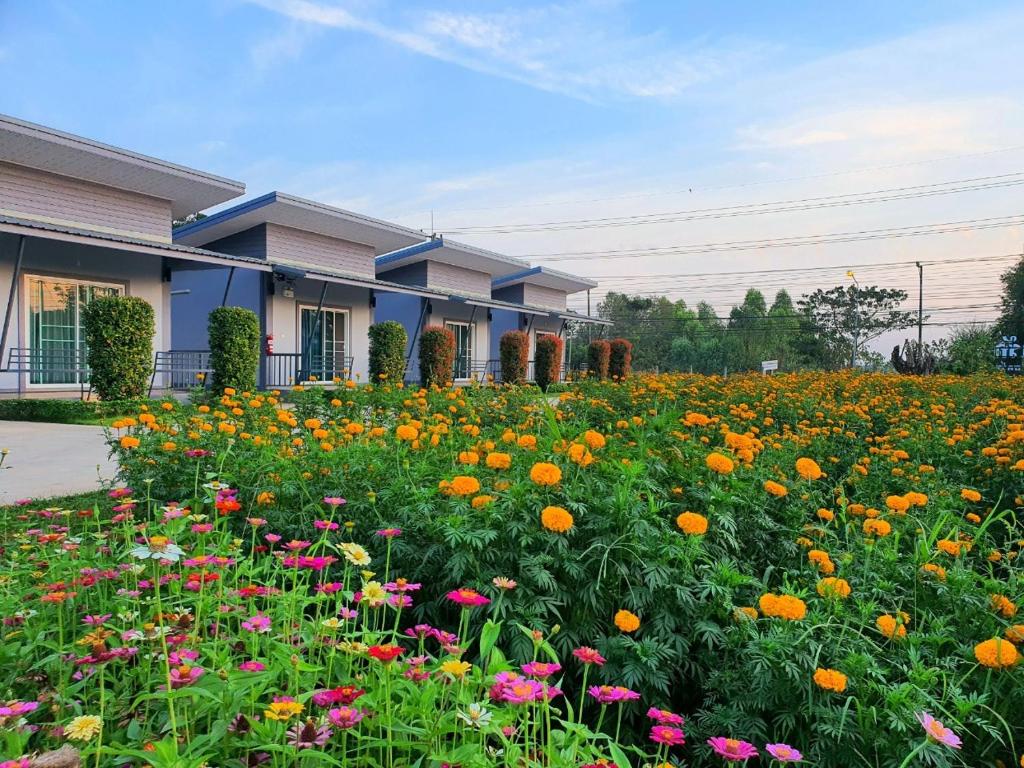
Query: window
[[56, 338], [326, 354], [464, 333]]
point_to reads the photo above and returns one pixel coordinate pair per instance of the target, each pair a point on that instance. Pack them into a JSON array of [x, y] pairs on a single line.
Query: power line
[[757, 209], [792, 241]]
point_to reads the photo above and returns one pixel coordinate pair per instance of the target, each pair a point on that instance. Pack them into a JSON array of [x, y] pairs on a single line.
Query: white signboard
[[767, 366]]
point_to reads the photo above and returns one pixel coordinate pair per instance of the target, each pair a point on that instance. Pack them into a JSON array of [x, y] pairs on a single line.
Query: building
[[80, 219]]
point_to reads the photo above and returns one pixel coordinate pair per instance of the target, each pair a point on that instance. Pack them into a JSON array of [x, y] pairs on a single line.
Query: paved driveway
[[51, 460]]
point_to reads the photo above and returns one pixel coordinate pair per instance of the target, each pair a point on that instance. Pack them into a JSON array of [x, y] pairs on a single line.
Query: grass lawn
[[76, 501]]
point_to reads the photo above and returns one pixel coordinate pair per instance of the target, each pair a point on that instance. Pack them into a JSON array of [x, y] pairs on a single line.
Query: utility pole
[[920, 304], [590, 326], [856, 320]]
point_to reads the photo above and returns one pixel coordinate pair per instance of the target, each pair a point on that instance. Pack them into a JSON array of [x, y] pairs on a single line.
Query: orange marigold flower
[[833, 587], [498, 460], [543, 473], [775, 489], [916, 499], [877, 527], [460, 485], [716, 462], [830, 680], [745, 613], [128, 441], [782, 607], [469, 457], [556, 519], [406, 432], [937, 570], [949, 547], [594, 440], [481, 501], [969, 494], [897, 503], [826, 514], [996, 653], [692, 523], [1004, 606], [627, 621], [891, 626], [1015, 634], [808, 469]]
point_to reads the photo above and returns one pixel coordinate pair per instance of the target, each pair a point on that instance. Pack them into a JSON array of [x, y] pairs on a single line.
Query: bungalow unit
[[541, 294], [81, 219], [316, 299]]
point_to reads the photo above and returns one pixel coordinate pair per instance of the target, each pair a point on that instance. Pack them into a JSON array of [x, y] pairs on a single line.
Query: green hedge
[[234, 334], [119, 333], [620, 362], [514, 349], [66, 411], [598, 354], [547, 360], [388, 341], [437, 356]]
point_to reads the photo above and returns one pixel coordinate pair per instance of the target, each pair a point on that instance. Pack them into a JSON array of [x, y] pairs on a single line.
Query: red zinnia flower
[[386, 653]]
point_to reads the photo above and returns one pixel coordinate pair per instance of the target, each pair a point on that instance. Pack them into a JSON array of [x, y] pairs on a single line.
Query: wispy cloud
[[574, 49]]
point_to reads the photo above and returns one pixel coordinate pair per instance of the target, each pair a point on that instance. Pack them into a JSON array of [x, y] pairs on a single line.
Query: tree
[[748, 331], [969, 349], [1011, 321], [848, 317]]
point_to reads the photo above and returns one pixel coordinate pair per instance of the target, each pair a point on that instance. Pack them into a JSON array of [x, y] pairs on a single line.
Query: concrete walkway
[[51, 460]]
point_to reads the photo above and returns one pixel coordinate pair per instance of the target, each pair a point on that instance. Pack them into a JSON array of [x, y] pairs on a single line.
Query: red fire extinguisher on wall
[[269, 344]]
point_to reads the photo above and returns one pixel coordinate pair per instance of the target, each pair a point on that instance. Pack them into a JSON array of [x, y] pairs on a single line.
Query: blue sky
[[515, 112]]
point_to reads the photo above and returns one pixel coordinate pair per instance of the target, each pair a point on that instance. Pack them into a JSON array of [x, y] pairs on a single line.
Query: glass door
[[463, 347], [56, 338], [327, 343]]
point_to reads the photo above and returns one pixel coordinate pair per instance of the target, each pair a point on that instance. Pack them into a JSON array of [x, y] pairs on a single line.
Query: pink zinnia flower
[[325, 525], [273, 538], [540, 669], [468, 598], [308, 734], [345, 717], [96, 620], [257, 623], [255, 522], [202, 527], [733, 750], [784, 753], [117, 493], [666, 734], [612, 694], [937, 732], [348, 613], [589, 656], [333, 501], [389, 533], [297, 545], [185, 675], [664, 717], [252, 666]]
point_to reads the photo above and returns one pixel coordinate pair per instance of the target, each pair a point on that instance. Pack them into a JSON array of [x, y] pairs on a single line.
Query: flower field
[[814, 569]]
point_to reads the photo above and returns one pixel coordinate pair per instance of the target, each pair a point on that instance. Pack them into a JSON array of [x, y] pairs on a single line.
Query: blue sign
[[1008, 354]]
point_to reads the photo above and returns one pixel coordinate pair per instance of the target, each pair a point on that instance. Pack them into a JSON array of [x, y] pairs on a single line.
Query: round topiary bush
[[598, 354], [234, 334], [514, 349], [388, 341], [620, 359], [437, 356], [119, 334], [547, 360]]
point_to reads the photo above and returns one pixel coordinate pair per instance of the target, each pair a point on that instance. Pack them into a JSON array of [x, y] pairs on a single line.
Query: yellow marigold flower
[[996, 653], [775, 489], [716, 462], [406, 432], [969, 494], [833, 587], [83, 728], [627, 621], [891, 626], [481, 501], [830, 680], [877, 527], [498, 460], [543, 473], [692, 523], [556, 519], [782, 607], [808, 469]]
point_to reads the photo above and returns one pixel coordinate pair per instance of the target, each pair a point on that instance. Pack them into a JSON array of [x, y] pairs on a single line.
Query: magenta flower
[[589, 655], [258, 623], [666, 734], [402, 586], [333, 501], [389, 533], [297, 545], [540, 669], [732, 750], [17, 709], [185, 675], [252, 666], [612, 694], [345, 717], [937, 732], [202, 527], [96, 620], [117, 493], [664, 717], [348, 613], [468, 598], [273, 538], [325, 525], [784, 753]]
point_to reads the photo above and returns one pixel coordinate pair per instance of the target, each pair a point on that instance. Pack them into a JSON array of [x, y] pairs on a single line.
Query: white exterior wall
[[138, 273], [283, 318]]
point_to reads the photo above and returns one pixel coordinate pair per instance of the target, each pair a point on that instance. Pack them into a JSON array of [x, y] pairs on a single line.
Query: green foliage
[[1011, 320], [388, 342], [437, 356], [514, 349], [598, 354], [620, 359], [547, 360], [234, 334], [65, 411], [119, 336], [969, 349]]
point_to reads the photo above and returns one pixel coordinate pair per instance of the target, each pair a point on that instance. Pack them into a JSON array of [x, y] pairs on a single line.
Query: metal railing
[[51, 366], [286, 369], [181, 369]]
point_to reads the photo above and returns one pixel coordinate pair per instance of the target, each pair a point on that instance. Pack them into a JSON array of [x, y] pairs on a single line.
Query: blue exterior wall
[[406, 310], [514, 294], [190, 311], [502, 320]]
